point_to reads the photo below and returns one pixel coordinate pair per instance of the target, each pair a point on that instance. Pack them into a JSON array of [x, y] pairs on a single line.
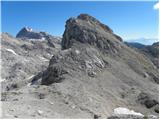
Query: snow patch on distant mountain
[[28, 29]]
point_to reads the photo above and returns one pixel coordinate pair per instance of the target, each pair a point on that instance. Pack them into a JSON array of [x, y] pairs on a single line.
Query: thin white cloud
[[156, 6]]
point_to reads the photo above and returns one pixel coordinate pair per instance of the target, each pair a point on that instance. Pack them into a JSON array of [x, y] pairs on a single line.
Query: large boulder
[[54, 75]]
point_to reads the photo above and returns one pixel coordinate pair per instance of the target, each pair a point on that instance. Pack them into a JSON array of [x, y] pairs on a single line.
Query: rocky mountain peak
[[87, 29], [28, 33], [86, 17], [93, 20]]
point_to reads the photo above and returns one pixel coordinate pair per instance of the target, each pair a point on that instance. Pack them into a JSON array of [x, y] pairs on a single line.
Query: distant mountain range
[[145, 41], [135, 44]]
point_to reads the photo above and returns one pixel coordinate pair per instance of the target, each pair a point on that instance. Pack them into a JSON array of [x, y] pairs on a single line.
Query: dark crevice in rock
[[147, 100]]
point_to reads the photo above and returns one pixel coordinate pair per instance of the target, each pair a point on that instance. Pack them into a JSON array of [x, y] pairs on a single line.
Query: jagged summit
[[28, 33], [87, 29]]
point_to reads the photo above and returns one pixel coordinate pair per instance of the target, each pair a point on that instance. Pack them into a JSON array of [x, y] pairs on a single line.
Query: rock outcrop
[[147, 100]]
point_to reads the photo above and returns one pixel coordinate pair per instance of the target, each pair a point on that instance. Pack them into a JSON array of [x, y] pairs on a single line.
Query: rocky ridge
[[93, 52], [152, 51]]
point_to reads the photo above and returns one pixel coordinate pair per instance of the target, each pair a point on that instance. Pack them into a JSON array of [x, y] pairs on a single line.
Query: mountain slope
[[94, 73]]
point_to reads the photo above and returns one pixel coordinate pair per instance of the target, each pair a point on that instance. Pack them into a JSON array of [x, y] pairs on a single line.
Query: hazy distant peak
[[27, 32]]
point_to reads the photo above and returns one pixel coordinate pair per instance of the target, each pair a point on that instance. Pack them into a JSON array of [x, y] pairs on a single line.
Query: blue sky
[[130, 20]]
